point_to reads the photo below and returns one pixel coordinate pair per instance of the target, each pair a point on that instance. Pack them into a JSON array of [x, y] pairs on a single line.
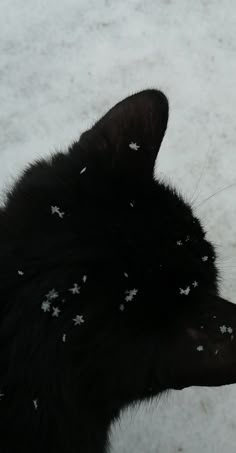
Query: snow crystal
[[230, 330], [132, 204], [35, 402], [46, 306], [78, 320], [134, 146], [129, 294], [56, 210], [20, 272], [56, 312], [195, 284], [64, 337], [204, 258], [125, 274], [122, 307], [179, 243], [84, 278], [83, 170], [200, 348], [187, 238], [75, 289], [52, 294], [185, 291], [223, 329]]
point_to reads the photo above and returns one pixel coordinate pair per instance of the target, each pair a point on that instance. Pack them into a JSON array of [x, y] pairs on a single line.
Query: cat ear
[[125, 142], [202, 349]]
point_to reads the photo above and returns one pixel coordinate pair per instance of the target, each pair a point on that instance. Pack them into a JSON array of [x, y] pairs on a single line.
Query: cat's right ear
[[124, 143]]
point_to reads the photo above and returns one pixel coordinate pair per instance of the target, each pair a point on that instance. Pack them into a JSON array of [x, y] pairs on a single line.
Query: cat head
[[148, 315], [159, 306]]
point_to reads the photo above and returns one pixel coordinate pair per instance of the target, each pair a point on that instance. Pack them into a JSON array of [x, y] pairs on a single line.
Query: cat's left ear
[[125, 142]]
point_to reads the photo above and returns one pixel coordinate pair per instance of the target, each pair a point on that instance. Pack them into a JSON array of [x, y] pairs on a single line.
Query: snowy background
[[63, 63]]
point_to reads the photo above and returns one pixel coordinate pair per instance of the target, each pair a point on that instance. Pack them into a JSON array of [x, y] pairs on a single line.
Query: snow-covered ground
[[65, 62]]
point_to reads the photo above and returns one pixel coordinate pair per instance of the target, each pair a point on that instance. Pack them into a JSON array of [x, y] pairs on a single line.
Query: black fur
[[62, 384]]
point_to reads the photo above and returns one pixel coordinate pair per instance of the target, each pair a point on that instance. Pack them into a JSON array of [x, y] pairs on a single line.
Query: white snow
[[75, 289], [55, 312], [200, 348], [134, 146], [185, 291], [130, 294], [205, 258], [79, 319], [21, 273], [56, 210], [63, 63]]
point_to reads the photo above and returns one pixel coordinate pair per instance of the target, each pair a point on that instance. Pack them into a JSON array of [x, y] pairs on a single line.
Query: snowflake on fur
[[200, 348], [134, 146], [52, 294], [184, 291], [35, 403], [79, 319], [56, 210], [55, 312], [46, 306], [204, 258], [75, 289], [130, 294]]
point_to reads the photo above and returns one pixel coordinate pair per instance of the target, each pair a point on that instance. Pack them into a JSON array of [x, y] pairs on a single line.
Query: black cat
[[109, 289]]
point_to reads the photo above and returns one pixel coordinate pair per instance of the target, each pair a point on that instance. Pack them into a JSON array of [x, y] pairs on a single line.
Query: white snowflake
[[134, 146], [223, 329], [52, 294], [204, 258], [132, 204], [230, 330], [83, 170], [126, 275], [84, 278], [35, 403], [79, 319], [122, 307], [179, 243], [75, 289], [129, 294], [64, 337], [56, 210], [214, 317], [184, 291], [56, 312], [20, 272], [200, 348], [46, 306], [187, 238], [216, 351], [195, 284], [232, 337]]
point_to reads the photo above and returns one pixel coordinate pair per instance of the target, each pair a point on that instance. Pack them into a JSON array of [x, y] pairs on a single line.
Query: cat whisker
[[211, 196], [203, 170]]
